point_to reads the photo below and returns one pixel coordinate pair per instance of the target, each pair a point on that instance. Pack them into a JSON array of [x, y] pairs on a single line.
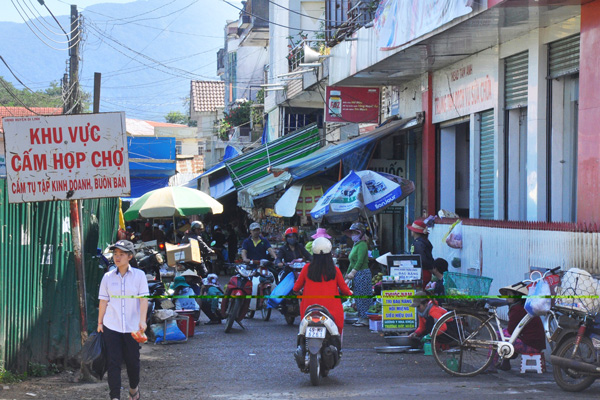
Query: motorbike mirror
[[213, 243]]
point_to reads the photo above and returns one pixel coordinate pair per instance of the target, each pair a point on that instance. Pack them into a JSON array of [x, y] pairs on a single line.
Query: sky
[[8, 11]]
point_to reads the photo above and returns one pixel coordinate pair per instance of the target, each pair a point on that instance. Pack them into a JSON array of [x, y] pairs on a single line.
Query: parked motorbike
[[576, 356], [150, 261], [235, 304], [262, 280], [155, 288], [318, 345], [288, 307]]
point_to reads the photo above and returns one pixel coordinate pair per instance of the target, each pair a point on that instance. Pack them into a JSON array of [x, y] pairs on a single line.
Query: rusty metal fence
[[39, 318]]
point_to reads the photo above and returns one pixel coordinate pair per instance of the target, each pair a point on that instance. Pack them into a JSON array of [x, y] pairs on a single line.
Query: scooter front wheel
[[234, 310], [290, 319], [314, 366], [266, 312], [570, 379]]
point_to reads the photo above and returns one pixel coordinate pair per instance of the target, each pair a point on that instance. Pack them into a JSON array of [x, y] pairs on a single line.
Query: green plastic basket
[[461, 288]]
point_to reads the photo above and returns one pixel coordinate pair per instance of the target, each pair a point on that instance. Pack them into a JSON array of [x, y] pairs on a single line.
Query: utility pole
[[73, 106], [74, 103]]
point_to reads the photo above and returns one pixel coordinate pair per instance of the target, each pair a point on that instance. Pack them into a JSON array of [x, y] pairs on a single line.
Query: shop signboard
[[352, 104], [393, 167], [397, 314], [66, 157], [466, 87]]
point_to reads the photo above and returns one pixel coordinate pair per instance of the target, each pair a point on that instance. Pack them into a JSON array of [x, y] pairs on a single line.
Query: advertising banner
[[397, 314], [352, 104], [66, 157], [466, 87], [399, 21]]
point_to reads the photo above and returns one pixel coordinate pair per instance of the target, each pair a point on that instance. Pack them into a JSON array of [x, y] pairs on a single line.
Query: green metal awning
[[252, 166]]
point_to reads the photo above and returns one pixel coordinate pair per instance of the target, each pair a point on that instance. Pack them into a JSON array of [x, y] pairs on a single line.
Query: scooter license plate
[[315, 332]]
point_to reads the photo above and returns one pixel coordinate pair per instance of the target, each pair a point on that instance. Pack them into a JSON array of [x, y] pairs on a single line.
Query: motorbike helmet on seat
[[291, 231]]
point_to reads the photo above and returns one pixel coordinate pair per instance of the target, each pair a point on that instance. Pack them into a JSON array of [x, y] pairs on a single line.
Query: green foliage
[[260, 96], [9, 377], [176, 117], [223, 130], [50, 97], [239, 115], [38, 370]]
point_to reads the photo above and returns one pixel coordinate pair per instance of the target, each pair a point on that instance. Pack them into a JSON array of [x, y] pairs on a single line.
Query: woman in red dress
[[322, 281]]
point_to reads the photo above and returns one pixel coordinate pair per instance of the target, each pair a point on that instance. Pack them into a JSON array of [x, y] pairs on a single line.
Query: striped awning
[[252, 166]]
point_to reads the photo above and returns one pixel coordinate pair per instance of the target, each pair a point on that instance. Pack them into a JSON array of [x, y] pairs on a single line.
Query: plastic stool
[[533, 362]]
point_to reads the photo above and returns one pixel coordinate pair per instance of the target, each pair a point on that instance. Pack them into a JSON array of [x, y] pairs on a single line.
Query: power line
[[37, 28], [274, 23]]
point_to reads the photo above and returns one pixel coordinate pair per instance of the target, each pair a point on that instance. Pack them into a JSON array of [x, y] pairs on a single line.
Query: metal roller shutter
[[515, 78], [563, 57], [486, 166]]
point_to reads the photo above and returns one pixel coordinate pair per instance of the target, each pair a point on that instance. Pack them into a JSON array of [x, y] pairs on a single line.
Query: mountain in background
[[148, 51]]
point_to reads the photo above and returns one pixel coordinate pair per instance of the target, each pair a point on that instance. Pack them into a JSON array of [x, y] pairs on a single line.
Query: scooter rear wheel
[[314, 366], [290, 319], [250, 314], [234, 310]]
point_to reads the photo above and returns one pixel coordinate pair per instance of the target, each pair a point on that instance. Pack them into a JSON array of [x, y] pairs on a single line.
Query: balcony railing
[[296, 55], [345, 17]]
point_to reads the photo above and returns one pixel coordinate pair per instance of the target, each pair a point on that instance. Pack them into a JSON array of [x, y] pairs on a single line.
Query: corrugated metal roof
[[24, 112], [207, 95]]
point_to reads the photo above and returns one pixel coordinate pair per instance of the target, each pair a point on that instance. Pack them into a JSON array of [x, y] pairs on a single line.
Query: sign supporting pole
[[77, 253], [74, 108]]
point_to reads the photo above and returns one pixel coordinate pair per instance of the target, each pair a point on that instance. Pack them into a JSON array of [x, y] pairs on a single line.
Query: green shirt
[[359, 257]]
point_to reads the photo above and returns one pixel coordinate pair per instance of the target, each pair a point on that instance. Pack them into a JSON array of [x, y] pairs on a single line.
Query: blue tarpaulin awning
[[151, 163], [355, 152], [219, 185]]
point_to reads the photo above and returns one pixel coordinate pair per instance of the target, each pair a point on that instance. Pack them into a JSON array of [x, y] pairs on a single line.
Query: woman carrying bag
[[358, 271]]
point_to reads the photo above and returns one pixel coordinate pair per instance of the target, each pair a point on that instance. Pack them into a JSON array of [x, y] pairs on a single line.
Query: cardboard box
[[189, 252]]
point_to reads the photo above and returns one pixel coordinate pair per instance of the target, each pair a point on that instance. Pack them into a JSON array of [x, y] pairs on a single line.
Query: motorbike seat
[[318, 307]]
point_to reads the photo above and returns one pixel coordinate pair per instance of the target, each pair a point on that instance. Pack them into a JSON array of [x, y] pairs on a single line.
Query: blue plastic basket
[[463, 290]]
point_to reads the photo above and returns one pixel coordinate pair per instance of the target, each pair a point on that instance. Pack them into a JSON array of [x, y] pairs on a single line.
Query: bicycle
[[469, 349]]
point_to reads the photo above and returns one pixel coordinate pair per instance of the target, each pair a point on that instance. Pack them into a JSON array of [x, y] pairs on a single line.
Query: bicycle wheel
[[570, 379], [464, 348]]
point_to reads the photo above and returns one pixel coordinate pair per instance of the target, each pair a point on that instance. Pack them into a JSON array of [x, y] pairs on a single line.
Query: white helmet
[[197, 225], [321, 246]]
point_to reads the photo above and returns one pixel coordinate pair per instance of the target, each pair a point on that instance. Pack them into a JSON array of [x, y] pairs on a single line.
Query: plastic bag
[[454, 238], [538, 303], [283, 289], [93, 354], [173, 334], [454, 257]]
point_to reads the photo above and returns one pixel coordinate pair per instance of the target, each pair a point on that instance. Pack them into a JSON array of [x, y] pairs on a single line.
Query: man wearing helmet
[[195, 232], [291, 250], [256, 247]]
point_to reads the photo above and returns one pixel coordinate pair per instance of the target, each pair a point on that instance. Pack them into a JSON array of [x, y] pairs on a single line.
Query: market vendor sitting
[[181, 288], [292, 249], [429, 312], [210, 306]]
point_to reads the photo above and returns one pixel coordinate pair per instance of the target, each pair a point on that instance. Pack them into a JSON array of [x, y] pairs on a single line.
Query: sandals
[[135, 396]]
